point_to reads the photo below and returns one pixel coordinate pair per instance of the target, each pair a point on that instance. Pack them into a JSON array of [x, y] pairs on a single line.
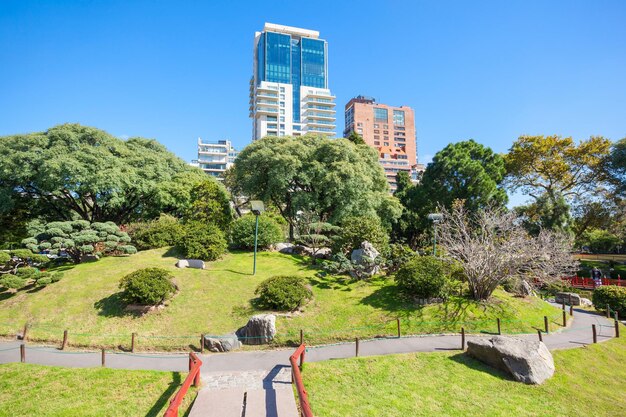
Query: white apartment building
[[215, 157], [289, 93]]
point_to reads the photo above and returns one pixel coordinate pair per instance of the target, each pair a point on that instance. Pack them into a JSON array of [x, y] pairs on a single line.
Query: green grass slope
[[588, 382], [218, 300]]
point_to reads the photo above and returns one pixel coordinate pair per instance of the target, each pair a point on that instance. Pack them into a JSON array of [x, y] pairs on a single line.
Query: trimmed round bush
[[148, 286], [12, 281], [423, 277], [283, 293], [612, 295], [165, 231], [356, 230], [242, 232], [203, 241]]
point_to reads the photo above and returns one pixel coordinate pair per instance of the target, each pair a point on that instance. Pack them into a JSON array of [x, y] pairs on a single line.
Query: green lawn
[[218, 300], [35, 390], [588, 382]]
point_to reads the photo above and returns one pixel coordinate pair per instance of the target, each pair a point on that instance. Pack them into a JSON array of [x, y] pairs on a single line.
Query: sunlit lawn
[[218, 301]]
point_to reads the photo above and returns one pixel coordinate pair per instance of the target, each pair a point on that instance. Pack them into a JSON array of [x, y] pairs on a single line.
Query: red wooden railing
[[192, 378], [590, 284], [305, 407]]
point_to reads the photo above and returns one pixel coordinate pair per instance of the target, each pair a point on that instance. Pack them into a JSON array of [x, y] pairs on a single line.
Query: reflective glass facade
[[295, 77], [380, 115], [313, 63]]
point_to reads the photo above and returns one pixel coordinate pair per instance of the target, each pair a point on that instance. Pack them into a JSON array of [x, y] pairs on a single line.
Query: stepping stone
[[218, 403], [271, 403]]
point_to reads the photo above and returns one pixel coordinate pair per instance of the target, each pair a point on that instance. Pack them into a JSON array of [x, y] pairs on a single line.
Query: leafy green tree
[[164, 231], [356, 138], [599, 241], [355, 230], [334, 179], [546, 214], [78, 238], [210, 203], [617, 165], [242, 232], [74, 171], [203, 241], [19, 268]]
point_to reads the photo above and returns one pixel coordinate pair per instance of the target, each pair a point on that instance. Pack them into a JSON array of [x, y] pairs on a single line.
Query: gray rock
[[365, 257], [88, 257], [585, 302], [190, 263], [565, 297], [222, 343], [284, 247], [526, 289], [324, 253], [260, 330], [529, 361]]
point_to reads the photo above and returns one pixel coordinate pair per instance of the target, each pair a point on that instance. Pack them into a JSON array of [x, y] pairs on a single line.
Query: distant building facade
[[216, 157], [289, 92], [391, 130]]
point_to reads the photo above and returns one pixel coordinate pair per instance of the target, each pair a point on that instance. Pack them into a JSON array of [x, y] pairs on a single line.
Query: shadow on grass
[[465, 359], [173, 252], [389, 298], [113, 306], [331, 282], [164, 398]]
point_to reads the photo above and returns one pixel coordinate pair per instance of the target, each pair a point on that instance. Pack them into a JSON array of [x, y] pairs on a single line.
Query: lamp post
[[435, 218], [257, 209]]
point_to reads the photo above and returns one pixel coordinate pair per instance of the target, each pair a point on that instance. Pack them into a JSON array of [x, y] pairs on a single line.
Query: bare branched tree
[[492, 246]]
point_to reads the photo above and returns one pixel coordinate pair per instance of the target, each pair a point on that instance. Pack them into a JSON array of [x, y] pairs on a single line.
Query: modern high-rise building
[[289, 92], [391, 130], [215, 157]]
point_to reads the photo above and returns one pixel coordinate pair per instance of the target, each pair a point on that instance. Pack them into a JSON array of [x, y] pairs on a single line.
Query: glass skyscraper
[[289, 92]]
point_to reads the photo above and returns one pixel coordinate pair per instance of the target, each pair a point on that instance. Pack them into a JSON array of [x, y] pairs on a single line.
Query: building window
[[399, 128], [282, 104], [386, 143], [271, 118], [282, 96], [376, 137], [385, 126], [282, 118], [282, 126], [376, 126], [386, 137], [398, 117], [282, 111], [282, 89], [359, 124], [376, 131], [376, 143], [349, 116], [359, 130], [386, 132], [380, 115]]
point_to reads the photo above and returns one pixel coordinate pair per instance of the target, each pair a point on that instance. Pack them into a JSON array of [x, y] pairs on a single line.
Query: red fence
[[590, 284], [305, 407], [193, 377]]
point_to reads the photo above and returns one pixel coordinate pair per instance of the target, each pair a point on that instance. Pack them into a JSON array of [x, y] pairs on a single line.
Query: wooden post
[[608, 311], [564, 319], [616, 316], [202, 343], [595, 335], [190, 363], [570, 300], [301, 336], [22, 353], [25, 332], [539, 334], [302, 358], [563, 305], [616, 328], [398, 322], [357, 347], [499, 330], [103, 357], [462, 338], [571, 310], [64, 340], [132, 343], [545, 324]]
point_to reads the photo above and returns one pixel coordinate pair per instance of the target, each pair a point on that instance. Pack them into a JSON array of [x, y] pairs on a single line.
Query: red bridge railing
[[305, 407], [590, 284], [192, 378]]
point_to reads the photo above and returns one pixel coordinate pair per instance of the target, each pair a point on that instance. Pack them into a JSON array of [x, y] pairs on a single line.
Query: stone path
[[261, 378]]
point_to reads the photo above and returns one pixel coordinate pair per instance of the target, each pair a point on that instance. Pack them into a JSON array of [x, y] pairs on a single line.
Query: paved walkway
[[258, 382]]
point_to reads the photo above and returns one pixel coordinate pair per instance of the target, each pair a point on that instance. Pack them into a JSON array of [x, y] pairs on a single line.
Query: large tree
[[616, 166], [72, 171], [333, 179]]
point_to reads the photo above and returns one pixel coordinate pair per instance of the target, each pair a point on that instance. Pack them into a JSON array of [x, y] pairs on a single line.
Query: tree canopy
[[72, 171], [333, 179]]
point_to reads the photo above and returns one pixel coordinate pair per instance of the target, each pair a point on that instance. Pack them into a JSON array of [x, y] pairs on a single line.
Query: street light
[[257, 209], [435, 218]]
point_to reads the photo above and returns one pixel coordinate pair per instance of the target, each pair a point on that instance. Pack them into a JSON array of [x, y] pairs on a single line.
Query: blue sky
[[487, 70]]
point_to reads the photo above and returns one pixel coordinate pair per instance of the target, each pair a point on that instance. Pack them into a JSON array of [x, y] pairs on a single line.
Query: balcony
[[313, 122], [266, 110], [319, 94], [321, 101], [318, 115], [324, 108]]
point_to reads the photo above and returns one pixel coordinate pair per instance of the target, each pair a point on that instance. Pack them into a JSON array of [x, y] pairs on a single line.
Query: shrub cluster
[[148, 286], [203, 241], [165, 231], [18, 267], [355, 230], [242, 232], [611, 295], [423, 277], [283, 293]]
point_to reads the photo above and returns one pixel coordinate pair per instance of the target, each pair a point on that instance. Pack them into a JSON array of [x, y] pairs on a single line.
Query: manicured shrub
[[12, 281], [423, 277], [283, 293], [612, 295], [148, 286], [396, 256], [202, 241], [165, 231], [242, 232], [355, 230]]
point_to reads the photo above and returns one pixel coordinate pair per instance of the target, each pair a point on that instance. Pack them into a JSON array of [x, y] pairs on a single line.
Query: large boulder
[[567, 298], [260, 330], [222, 343], [529, 361], [190, 263], [365, 257], [284, 247], [585, 302]]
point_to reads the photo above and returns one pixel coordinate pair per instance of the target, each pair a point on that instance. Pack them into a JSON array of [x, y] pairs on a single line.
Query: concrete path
[[257, 382]]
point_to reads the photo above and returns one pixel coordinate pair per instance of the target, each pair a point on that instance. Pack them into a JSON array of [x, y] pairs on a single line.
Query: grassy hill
[[218, 300], [588, 381]]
